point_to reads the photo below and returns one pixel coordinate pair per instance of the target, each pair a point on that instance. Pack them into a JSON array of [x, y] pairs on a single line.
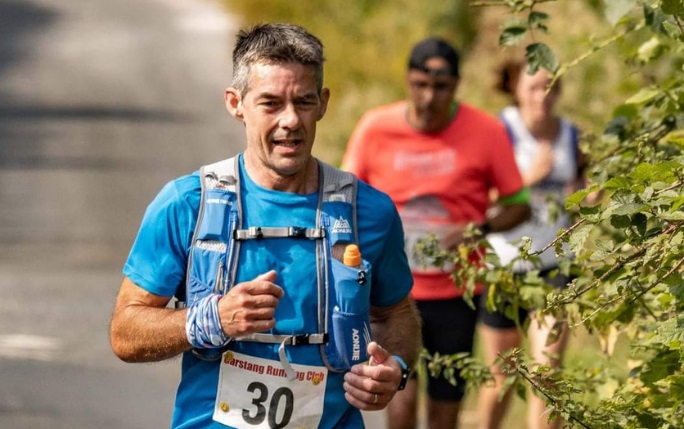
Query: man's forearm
[[149, 335], [397, 329], [143, 329]]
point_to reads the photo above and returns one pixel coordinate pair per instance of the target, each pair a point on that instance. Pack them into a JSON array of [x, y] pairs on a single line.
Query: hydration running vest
[[215, 248]]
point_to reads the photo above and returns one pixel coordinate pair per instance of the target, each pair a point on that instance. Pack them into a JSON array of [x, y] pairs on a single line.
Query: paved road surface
[[101, 102]]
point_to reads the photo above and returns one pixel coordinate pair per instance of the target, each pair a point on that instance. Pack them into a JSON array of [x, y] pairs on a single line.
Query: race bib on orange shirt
[[425, 217]]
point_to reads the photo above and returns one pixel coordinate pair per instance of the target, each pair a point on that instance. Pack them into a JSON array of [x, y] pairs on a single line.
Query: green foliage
[[367, 45], [623, 82], [627, 245]]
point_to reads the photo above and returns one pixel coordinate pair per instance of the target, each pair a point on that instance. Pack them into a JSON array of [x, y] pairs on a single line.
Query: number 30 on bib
[[254, 393]]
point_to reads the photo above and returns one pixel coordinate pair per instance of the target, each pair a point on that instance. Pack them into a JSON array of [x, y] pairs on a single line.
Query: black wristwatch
[[405, 371]]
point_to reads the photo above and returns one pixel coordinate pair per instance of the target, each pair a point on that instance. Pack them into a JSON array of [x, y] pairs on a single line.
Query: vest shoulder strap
[[222, 174], [338, 185]]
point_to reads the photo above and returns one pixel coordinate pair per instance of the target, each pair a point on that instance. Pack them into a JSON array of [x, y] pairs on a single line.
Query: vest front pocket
[[207, 272], [219, 215], [350, 319]]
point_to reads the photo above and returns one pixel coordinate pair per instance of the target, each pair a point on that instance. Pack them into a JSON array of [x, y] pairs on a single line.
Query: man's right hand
[[250, 306]]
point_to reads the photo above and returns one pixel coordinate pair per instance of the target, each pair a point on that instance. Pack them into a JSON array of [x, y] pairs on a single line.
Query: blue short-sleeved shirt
[[158, 262]]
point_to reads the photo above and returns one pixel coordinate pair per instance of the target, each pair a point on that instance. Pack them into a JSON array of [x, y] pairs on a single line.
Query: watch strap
[[405, 371]]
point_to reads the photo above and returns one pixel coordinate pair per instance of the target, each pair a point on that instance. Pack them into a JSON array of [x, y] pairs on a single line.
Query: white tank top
[[548, 193]]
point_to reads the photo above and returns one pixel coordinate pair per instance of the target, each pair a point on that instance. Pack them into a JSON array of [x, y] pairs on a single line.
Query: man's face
[[280, 109], [431, 95]]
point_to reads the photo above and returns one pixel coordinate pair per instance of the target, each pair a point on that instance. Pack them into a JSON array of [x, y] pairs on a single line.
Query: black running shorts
[[498, 320], [448, 328]]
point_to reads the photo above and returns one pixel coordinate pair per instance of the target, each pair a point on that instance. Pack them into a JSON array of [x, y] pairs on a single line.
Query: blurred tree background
[[367, 44], [621, 65]]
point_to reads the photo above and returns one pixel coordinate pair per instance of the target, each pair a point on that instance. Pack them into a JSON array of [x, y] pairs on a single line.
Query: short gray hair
[[275, 44]]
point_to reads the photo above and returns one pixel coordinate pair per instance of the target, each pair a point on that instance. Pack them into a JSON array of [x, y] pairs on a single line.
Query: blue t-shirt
[[158, 262]]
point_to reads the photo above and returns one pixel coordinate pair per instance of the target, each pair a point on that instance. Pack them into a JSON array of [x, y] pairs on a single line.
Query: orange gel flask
[[352, 256]]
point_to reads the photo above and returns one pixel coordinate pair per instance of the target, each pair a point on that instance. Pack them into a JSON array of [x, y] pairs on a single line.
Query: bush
[[628, 249]]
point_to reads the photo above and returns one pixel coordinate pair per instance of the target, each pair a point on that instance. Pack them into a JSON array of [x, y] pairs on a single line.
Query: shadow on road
[[19, 21], [21, 142]]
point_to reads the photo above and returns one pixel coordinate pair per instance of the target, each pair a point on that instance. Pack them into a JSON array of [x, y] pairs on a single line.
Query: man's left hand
[[371, 386]]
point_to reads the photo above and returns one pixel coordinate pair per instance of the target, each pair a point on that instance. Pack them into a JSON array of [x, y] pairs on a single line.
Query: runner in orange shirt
[[438, 160]]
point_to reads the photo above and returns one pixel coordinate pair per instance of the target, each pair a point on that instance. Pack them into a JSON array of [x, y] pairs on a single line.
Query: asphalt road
[[101, 103]]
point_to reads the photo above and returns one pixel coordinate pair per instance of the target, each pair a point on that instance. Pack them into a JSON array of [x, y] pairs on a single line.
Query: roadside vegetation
[[367, 45], [623, 84]]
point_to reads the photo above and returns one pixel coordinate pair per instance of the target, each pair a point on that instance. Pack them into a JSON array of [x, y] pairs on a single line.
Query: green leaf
[[631, 208], [672, 216], [643, 96], [513, 33], [648, 193], [589, 211], [671, 332], [628, 111], [579, 237], [617, 274], [676, 138], [677, 239], [663, 171], [625, 313], [616, 9], [673, 31], [599, 255], [675, 285], [540, 55], [578, 196], [537, 20], [639, 221], [673, 7], [617, 183], [606, 245], [620, 221], [650, 49], [677, 203]]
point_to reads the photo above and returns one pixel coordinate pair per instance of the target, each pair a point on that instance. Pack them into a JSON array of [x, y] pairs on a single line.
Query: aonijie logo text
[[356, 341]]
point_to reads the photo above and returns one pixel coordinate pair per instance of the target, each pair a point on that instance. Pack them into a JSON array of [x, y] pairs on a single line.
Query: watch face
[[404, 372], [404, 379]]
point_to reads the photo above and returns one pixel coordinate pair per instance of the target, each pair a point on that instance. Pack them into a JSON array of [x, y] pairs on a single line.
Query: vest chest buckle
[[296, 232]]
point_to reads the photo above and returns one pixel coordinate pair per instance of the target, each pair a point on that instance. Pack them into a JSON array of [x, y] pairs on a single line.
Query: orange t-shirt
[[435, 180]]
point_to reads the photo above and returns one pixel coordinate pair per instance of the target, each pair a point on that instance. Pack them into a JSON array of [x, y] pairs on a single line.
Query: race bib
[[254, 393], [422, 216]]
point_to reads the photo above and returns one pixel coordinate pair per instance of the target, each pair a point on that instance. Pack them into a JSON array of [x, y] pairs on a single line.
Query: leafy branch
[[573, 295], [512, 361], [596, 48], [628, 250], [518, 5]]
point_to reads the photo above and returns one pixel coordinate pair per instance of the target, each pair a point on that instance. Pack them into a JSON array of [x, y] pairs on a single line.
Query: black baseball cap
[[430, 48]]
